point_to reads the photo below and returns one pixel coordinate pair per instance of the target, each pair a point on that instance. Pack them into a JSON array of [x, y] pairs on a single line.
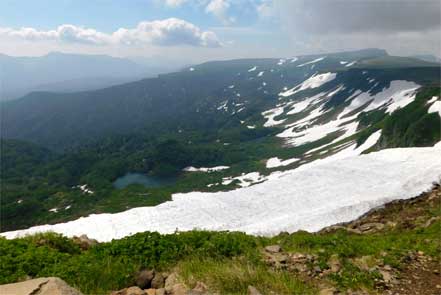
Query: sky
[[198, 30]]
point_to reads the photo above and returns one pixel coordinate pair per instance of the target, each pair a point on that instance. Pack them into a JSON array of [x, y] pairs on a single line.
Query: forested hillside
[[62, 153]]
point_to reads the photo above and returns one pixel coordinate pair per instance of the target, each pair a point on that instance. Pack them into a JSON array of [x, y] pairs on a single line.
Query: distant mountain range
[[214, 94], [62, 72], [427, 57]]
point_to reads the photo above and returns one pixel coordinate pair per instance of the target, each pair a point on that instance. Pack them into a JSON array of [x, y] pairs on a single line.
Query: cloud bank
[[400, 26], [358, 16], [167, 32]]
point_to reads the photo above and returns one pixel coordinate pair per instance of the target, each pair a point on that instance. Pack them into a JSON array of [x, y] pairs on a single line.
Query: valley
[[254, 116], [220, 147]]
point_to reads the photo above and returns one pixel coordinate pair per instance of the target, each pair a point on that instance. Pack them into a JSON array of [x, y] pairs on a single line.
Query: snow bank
[[435, 105], [84, 188], [276, 162], [313, 82], [205, 169], [281, 61], [432, 100], [401, 99], [271, 114], [244, 179], [312, 61], [399, 94], [309, 198], [303, 131], [353, 150]]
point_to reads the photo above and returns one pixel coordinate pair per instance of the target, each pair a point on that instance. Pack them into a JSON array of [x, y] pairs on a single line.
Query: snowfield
[[313, 82], [309, 198], [399, 94]]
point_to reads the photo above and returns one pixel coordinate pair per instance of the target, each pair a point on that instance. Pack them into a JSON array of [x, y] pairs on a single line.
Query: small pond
[[145, 180]]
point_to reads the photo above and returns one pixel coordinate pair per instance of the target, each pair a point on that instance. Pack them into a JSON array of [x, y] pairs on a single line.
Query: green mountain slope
[[236, 113]]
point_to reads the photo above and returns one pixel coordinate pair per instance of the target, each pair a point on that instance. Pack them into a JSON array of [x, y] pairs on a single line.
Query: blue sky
[[105, 15], [198, 30]]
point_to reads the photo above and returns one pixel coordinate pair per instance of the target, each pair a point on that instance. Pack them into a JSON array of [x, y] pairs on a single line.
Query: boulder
[[299, 262], [200, 287], [158, 281], [170, 281], [144, 278], [134, 291], [273, 249], [334, 263], [160, 291], [328, 291], [40, 286], [84, 242], [253, 291], [178, 289], [150, 291]]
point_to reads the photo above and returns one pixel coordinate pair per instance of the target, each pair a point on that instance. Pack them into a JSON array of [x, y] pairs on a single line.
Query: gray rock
[[179, 289], [170, 281], [273, 249], [40, 286], [158, 281], [84, 242], [134, 291], [328, 291], [253, 291], [144, 278], [200, 288]]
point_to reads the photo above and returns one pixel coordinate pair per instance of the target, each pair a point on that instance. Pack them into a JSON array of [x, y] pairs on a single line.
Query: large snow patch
[[309, 198]]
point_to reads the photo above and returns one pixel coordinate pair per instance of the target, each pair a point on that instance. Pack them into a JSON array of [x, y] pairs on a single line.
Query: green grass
[[234, 277], [226, 261]]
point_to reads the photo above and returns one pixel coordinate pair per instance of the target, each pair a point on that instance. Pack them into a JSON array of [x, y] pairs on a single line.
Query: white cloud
[[66, 33], [266, 9], [167, 32], [174, 3], [219, 9]]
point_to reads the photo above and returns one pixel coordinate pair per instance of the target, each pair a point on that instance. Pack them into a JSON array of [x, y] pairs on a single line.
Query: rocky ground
[[420, 275], [415, 273]]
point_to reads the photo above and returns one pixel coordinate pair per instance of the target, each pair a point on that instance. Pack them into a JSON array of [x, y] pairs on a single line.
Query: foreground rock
[[84, 242], [144, 278], [155, 283], [253, 291], [40, 286], [399, 215]]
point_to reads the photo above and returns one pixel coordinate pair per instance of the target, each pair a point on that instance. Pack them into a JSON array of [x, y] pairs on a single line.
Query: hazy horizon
[[194, 31]]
